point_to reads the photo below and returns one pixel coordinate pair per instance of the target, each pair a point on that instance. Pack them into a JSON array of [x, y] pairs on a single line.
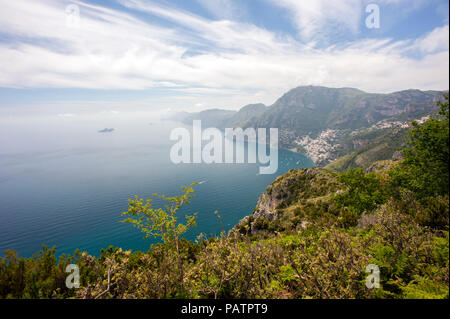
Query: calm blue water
[[64, 184]]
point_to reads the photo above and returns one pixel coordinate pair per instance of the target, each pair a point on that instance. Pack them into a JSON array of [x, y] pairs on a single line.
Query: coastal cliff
[[293, 201]]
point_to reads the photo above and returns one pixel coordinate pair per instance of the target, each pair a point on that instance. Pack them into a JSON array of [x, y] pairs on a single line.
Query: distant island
[[106, 130]]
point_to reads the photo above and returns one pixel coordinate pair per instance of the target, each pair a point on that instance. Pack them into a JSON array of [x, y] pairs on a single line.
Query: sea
[[65, 184]]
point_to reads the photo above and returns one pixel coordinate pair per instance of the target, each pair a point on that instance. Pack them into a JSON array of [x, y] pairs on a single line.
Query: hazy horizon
[[69, 57]]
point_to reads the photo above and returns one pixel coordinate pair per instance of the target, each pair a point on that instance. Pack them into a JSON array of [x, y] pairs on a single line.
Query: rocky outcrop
[[286, 202], [382, 166], [299, 199]]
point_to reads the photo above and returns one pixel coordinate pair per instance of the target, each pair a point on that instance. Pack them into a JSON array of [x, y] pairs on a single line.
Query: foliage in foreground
[[395, 216]]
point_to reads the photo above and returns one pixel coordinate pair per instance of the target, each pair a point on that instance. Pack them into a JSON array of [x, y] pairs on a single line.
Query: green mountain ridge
[[245, 114], [312, 111]]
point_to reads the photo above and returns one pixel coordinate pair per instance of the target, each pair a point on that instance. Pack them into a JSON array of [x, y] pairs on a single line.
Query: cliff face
[[311, 110], [369, 147], [291, 201], [299, 199]]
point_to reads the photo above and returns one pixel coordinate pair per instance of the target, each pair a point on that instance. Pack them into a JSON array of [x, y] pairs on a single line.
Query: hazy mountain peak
[[257, 106]]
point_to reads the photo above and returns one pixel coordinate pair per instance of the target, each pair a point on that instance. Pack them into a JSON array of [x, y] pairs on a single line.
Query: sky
[[75, 57]]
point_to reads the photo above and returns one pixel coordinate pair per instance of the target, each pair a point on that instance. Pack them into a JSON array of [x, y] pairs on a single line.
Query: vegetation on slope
[[309, 110], [383, 145], [312, 235]]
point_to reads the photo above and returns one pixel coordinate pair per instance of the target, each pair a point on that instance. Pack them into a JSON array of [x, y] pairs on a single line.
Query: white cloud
[[436, 40], [215, 63], [222, 9], [323, 18], [67, 115]]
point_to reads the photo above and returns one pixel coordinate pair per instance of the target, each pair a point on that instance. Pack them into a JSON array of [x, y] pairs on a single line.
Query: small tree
[[162, 222], [425, 169]]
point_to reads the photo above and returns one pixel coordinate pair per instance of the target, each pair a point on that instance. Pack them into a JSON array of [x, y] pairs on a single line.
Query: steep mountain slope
[[374, 146], [209, 118], [310, 110], [307, 109], [245, 114], [293, 201], [322, 122]]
